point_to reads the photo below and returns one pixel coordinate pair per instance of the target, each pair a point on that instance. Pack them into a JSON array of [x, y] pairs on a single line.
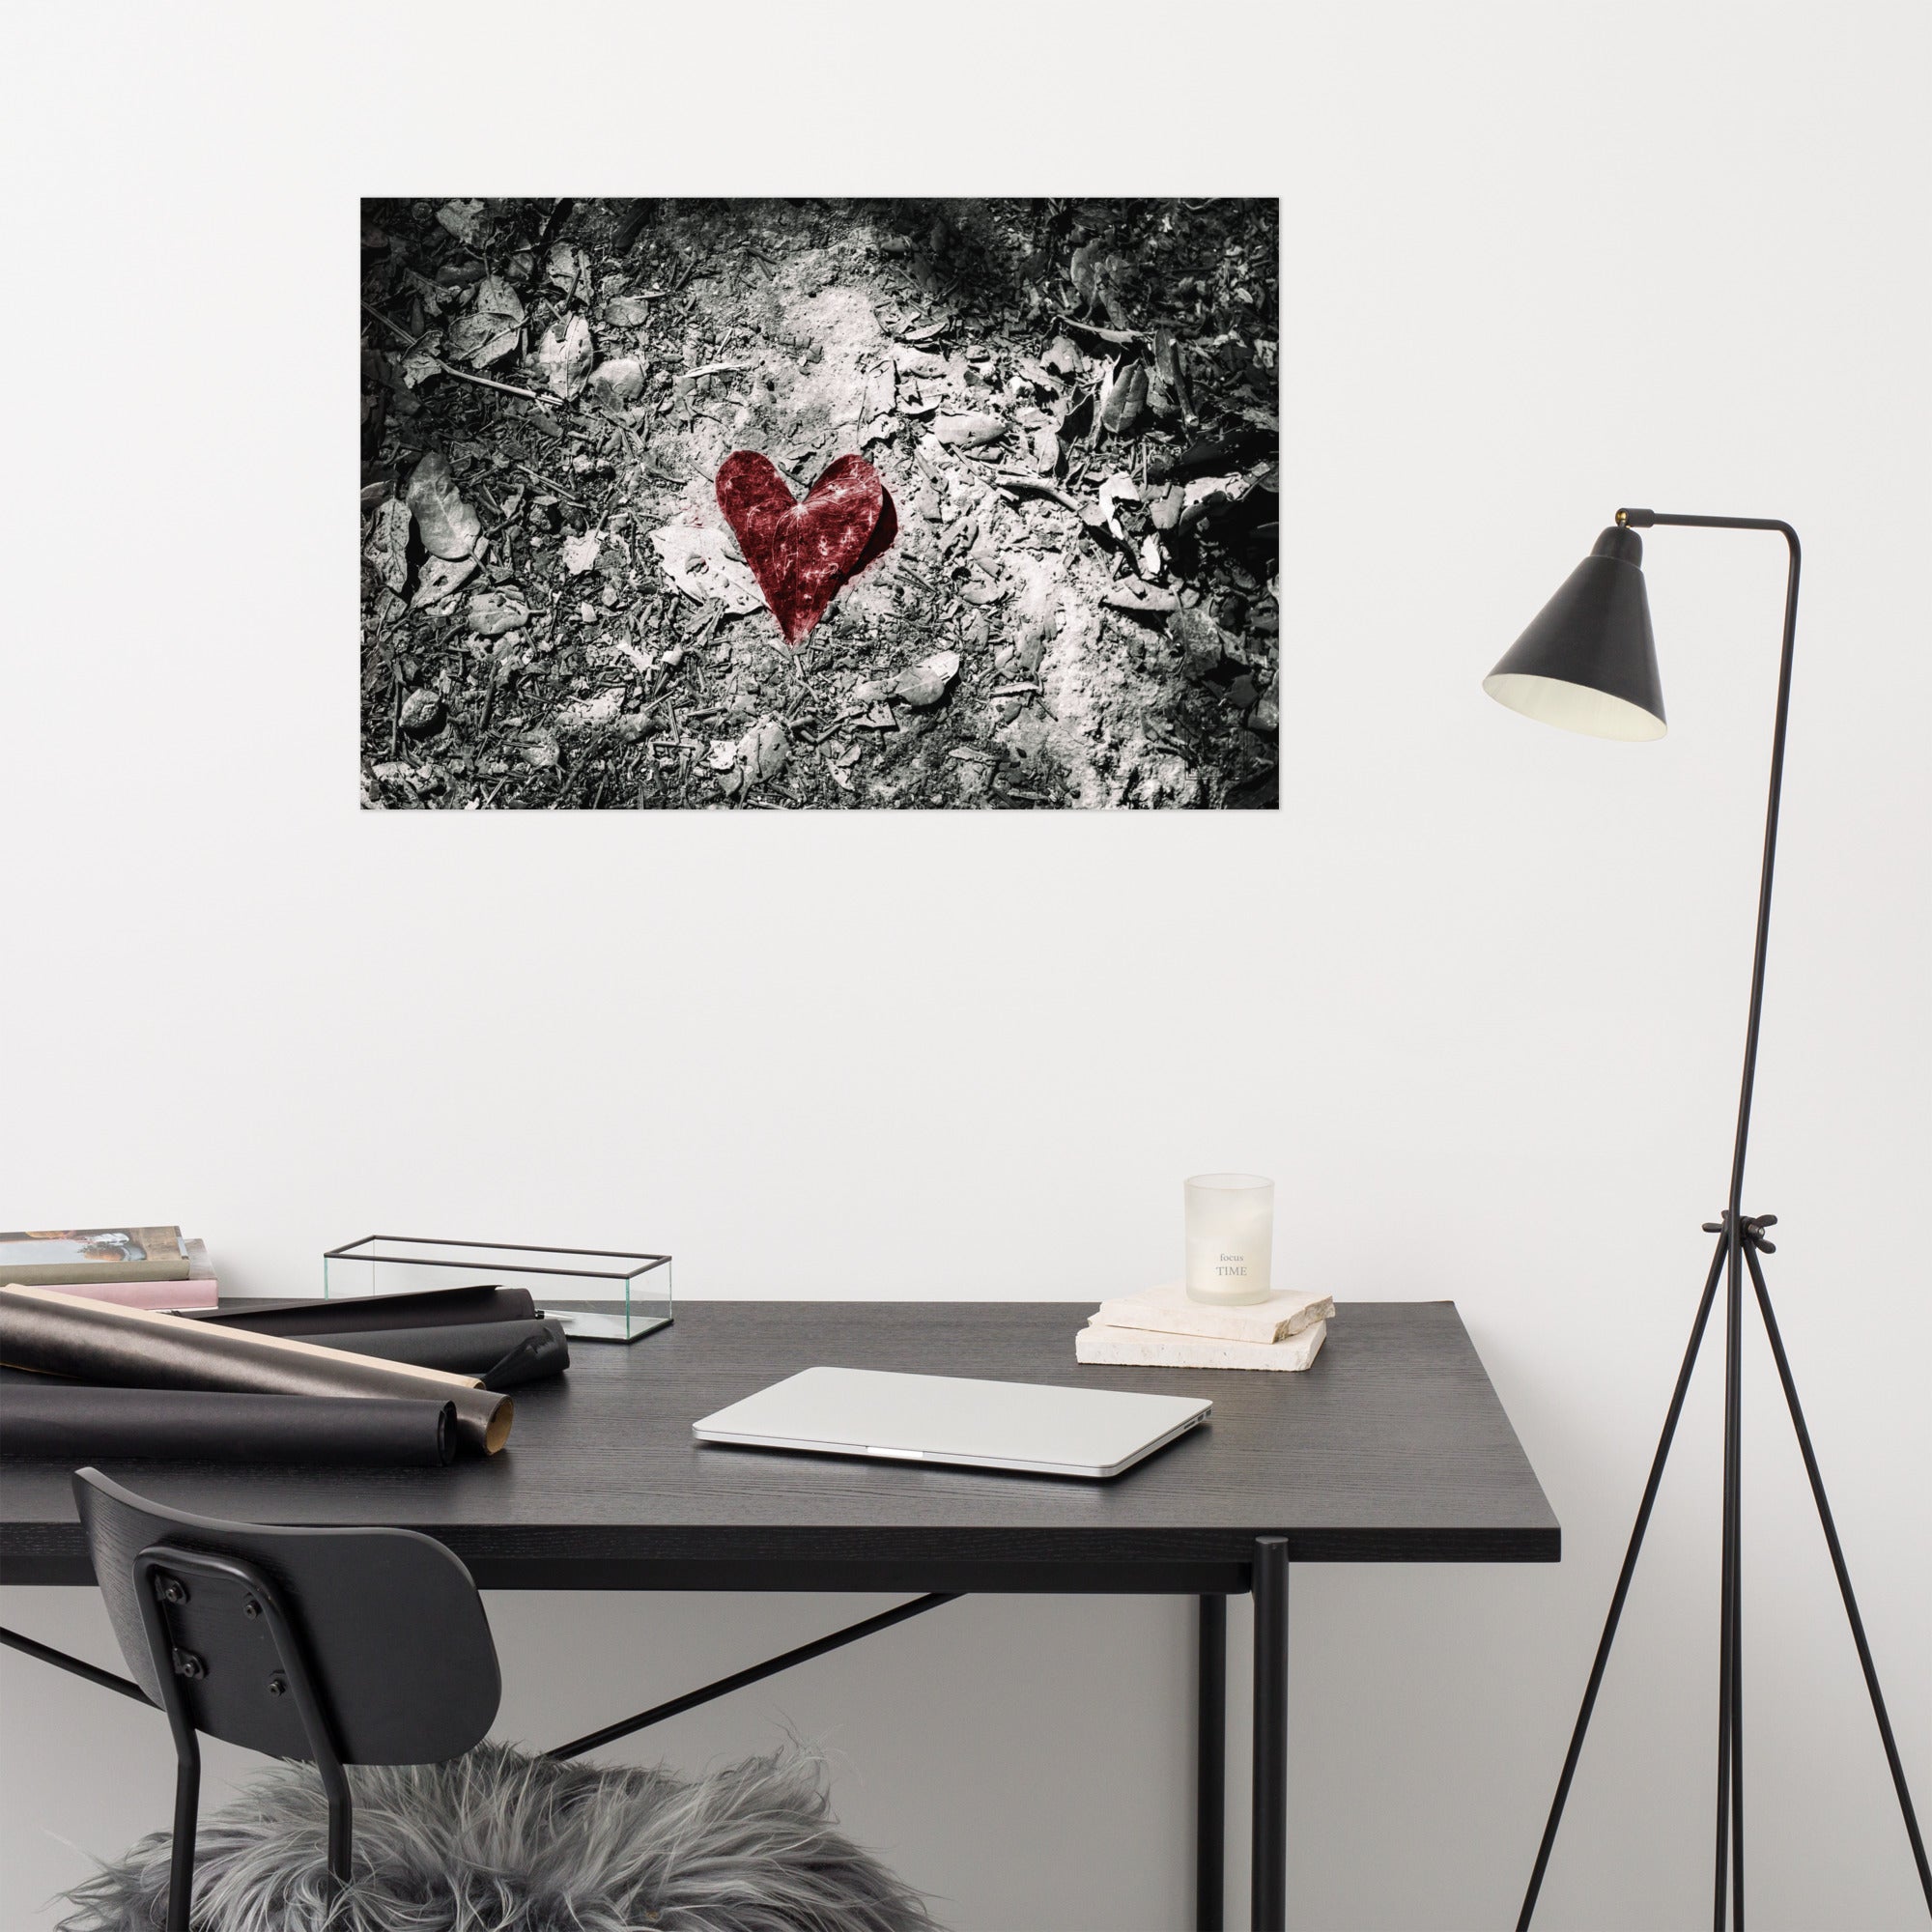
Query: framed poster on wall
[[761, 503]]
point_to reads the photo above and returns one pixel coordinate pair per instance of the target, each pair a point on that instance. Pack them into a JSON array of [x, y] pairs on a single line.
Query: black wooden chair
[[330, 1646], [371, 1647]]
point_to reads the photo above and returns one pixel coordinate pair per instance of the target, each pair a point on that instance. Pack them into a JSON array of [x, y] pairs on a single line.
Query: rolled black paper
[[68, 1423], [525, 1363], [466, 1348], [363, 1313], [138, 1347]]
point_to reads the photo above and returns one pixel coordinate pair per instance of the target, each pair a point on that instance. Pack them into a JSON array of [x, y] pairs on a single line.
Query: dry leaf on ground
[[628, 311], [421, 712], [589, 714], [969, 431], [390, 546], [1037, 618], [925, 683], [461, 218], [697, 559], [564, 356], [1065, 358], [1202, 644], [1118, 488], [764, 749], [1123, 399], [568, 270], [441, 575], [490, 330], [493, 613], [449, 527], [1144, 600], [620, 380], [1164, 506], [421, 362]]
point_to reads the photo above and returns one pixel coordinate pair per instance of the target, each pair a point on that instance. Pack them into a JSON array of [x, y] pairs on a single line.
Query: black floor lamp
[[1588, 663]]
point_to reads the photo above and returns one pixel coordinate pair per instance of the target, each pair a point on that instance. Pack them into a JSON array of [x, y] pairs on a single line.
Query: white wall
[[1475, 994]]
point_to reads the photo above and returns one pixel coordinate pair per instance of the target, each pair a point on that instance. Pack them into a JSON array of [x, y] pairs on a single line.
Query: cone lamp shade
[[1588, 663]]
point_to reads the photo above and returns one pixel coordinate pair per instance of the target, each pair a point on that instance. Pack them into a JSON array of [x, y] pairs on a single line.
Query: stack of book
[[1163, 1328], [132, 1267]]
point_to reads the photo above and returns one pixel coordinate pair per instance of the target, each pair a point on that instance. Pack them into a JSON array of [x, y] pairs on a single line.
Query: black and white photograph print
[[757, 504]]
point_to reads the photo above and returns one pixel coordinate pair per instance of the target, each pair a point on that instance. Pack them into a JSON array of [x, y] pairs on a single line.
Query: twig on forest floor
[[1120, 338], [396, 328], [1015, 480], [447, 368], [549, 483], [485, 382]]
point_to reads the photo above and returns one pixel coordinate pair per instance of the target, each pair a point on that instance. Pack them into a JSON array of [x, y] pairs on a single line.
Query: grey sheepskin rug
[[495, 1841]]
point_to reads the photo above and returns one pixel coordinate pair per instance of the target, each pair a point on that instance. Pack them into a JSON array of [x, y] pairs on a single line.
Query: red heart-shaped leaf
[[802, 553]]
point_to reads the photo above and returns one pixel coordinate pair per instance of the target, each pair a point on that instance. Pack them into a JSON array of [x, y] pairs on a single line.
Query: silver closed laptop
[[1039, 1430]]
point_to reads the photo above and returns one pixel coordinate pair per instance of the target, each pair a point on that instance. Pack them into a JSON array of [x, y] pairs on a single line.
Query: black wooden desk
[[1391, 1448]]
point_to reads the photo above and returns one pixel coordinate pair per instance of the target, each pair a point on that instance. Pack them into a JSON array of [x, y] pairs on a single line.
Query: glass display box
[[598, 1296]]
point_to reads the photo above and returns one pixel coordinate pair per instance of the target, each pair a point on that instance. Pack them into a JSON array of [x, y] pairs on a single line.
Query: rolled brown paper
[[138, 1347], [361, 1314], [72, 1423]]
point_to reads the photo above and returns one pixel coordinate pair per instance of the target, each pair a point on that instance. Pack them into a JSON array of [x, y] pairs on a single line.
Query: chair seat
[[498, 1841]]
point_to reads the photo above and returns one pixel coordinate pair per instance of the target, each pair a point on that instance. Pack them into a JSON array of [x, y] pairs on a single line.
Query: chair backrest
[[390, 1630]]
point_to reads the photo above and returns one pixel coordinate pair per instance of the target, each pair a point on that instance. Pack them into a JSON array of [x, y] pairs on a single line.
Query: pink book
[[162, 1294]]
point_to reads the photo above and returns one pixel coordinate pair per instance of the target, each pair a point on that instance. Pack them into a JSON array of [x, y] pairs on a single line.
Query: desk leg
[[1211, 1766], [1270, 1893]]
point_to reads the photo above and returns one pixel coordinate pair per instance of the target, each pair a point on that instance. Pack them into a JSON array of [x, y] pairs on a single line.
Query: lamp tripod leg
[[1730, 1880], [1844, 1574], [1737, 1460], [1622, 1590], [1736, 1453]]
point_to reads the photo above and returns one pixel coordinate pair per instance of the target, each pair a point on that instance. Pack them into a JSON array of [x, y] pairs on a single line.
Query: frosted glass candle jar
[[1229, 1236]]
